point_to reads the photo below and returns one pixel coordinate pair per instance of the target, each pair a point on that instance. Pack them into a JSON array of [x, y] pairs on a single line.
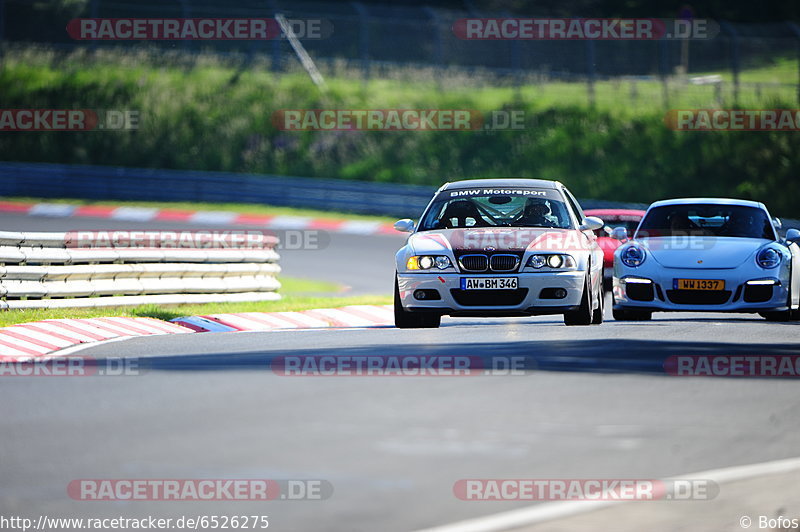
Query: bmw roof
[[709, 201], [500, 182]]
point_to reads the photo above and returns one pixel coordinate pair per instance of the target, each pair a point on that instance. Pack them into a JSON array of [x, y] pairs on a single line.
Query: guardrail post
[[734, 37], [796, 30], [363, 37]]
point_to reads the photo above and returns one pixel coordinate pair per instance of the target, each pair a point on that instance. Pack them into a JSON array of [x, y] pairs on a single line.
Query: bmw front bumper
[[536, 293]]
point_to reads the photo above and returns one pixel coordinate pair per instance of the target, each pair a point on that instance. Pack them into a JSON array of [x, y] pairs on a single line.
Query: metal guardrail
[[119, 183], [99, 183], [50, 270]]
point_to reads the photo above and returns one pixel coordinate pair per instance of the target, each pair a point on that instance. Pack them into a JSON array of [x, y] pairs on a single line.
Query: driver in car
[[738, 225], [536, 213]]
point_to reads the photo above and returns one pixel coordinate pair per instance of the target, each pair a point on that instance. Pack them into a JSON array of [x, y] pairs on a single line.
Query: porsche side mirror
[[793, 235], [406, 225]]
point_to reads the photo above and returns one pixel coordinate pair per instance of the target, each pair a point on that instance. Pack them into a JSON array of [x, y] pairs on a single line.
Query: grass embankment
[[297, 294], [207, 113]]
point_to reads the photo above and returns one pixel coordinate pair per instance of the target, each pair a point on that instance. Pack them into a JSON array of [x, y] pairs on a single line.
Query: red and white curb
[[29, 341], [350, 316], [144, 214], [40, 338]]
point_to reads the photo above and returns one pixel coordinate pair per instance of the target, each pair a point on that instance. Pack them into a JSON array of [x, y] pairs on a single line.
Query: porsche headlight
[[768, 258], [427, 262], [632, 256]]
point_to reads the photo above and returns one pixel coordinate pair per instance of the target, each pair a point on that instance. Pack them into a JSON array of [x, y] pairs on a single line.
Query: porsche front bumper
[[744, 290]]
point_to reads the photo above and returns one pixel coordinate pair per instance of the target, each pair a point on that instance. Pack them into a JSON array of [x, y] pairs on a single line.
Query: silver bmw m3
[[500, 247]]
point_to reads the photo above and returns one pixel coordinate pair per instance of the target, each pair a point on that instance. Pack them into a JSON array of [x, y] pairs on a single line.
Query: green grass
[[779, 70], [297, 294], [200, 113], [244, 208]]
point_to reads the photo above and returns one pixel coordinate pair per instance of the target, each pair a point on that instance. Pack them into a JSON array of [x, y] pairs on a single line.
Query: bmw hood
[[497, 239], [705, 252]]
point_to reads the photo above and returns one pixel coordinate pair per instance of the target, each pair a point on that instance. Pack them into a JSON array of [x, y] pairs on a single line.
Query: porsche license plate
[[699, 284], [488, 283]]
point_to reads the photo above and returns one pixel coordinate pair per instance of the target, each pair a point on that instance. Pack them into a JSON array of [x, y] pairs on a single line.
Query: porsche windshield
[[482, 208], [706, 220]]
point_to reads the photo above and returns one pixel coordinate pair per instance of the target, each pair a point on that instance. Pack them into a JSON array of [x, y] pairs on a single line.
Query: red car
[[627, 218]]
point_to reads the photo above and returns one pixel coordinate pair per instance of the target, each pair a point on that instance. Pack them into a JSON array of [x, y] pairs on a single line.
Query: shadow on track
[[592, 356]]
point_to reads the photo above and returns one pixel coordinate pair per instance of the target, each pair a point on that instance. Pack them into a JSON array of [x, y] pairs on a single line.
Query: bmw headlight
[[768, 258], [632, 256], [555, 261], [537, 261], [427, 262], [442, 262]]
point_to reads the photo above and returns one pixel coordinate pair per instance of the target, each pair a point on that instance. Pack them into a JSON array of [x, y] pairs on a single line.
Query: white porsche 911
[[500, 247], [707, 254]]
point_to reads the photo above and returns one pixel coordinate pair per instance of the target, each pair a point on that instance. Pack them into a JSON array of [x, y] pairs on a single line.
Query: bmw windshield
[[466, 208]]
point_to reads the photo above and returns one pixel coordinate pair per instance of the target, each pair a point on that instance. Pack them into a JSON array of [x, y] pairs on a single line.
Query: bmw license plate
[[699, 284], [488, 283]]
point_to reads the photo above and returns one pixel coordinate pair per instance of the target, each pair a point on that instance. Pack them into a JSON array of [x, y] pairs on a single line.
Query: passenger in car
[[458, 213]]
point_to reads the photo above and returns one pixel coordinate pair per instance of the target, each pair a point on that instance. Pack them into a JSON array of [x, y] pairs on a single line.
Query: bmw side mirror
[[793, 235], [592, 223], [620, 233], [406, 225]]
